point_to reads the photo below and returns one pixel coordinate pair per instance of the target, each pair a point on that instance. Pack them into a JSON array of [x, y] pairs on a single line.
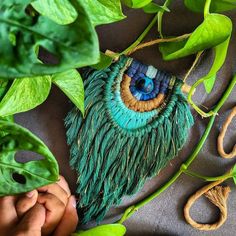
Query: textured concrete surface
[[163, 216]]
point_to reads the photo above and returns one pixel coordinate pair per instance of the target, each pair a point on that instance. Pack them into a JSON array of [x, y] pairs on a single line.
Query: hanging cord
[[220, 140], [157, 41], [218, 195], [196, 61]]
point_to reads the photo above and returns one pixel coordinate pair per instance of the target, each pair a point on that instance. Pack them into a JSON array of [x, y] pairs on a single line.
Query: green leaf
[[74, 45], [103, 11], [35, 173], [71, 83], [234, 173], [216, 5], [171, 47], [136, 3], [220, 56], [213, 31], [105, 62], [154, 8], [60, 11], [25, 94], [104, 230], [4, 86]]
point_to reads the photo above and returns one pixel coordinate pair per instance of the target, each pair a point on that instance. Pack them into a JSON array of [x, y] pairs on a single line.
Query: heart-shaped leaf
[[103, 11], [213, 31], [71, 83], [136, 3], [60, 11], [25, 94], [220, 56]]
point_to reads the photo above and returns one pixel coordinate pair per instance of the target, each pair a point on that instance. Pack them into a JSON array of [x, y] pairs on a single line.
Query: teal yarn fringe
[[112, 161]]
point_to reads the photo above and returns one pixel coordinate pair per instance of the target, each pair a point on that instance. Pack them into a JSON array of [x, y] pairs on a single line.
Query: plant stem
[[207, 8], [207, 178], [193, 88], [131, 210], [160, 17], [140, 38]]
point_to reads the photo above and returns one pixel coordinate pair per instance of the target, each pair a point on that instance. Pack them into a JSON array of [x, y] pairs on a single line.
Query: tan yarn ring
[[220, 140], [218, 196], [131, 102]]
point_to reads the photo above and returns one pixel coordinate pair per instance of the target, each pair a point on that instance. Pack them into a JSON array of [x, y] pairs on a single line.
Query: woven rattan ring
[[222, 135], [218, 196]]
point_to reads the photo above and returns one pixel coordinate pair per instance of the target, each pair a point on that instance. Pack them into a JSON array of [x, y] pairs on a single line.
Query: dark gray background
[[163, 216]]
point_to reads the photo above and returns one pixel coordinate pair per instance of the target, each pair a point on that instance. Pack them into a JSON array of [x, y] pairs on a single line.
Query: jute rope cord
[[157, 41], [218, 195], [222, 135]]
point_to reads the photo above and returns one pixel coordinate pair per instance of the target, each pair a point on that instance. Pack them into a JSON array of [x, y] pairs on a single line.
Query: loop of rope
[[218, 196], [222, 135]]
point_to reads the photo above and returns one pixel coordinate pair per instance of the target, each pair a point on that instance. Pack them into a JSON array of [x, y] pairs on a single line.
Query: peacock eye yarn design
[[136, 121]]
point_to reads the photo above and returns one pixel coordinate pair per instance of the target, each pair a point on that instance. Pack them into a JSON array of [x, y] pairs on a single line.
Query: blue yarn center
[[144, 85]]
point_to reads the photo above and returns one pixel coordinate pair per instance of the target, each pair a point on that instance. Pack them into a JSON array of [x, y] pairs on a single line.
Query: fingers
[[32, 222], [26, 202], [55, 210], [7, 202], [7, 213], [62, 182], [56, 190], [69, 221]]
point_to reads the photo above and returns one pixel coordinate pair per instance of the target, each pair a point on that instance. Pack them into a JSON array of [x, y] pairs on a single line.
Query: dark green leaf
[[216, 5], [36, 173], [104, 230], [71, 83], [136, 3], [220, 56], [4, 85], [25, 94], [74, 45], [154, 8], [213, 31], [105, 61], [103, 11], [60, 11]]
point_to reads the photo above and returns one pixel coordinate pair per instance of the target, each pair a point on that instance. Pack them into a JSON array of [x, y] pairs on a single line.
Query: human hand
[[29, 225], [62, 221], [27, 216]]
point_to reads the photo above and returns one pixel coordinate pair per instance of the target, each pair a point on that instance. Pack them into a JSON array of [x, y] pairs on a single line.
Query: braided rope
[[220, 140], [218, 195]]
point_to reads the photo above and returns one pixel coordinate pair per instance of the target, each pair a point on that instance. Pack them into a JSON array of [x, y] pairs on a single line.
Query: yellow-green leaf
[[71, 83], [25, 94]]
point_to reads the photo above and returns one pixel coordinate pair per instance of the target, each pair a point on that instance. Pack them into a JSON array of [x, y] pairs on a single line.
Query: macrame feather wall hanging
[[136, 121]]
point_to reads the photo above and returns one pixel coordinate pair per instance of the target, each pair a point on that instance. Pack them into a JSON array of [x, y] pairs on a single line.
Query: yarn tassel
[[110, 163]]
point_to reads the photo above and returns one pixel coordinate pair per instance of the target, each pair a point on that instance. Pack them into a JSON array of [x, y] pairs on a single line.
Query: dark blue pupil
[[144, 85]]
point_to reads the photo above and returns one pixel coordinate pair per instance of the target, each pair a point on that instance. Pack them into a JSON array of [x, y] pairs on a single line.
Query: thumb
[[32, 221]]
